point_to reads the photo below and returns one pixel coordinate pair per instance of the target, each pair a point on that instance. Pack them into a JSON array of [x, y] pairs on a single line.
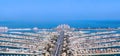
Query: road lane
[[59, 44]]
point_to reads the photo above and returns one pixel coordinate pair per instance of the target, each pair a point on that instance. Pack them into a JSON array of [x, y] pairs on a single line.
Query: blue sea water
[[76, 24]]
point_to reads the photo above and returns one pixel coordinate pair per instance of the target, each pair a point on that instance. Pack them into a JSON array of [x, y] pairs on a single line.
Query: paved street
[[59, 44]]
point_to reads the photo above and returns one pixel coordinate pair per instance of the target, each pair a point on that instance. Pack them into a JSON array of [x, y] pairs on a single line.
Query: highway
[[59, 44]]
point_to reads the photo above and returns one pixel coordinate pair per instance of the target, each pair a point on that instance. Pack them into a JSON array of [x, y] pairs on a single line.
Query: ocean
[[75, 24]]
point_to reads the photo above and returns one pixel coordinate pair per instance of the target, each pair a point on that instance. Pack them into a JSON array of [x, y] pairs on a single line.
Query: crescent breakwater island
[[62, 40]]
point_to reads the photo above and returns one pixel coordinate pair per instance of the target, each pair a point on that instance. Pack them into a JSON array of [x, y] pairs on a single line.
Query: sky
[[59, 10]]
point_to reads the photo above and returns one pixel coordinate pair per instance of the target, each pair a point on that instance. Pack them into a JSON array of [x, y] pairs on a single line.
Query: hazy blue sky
[[59, 10]]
